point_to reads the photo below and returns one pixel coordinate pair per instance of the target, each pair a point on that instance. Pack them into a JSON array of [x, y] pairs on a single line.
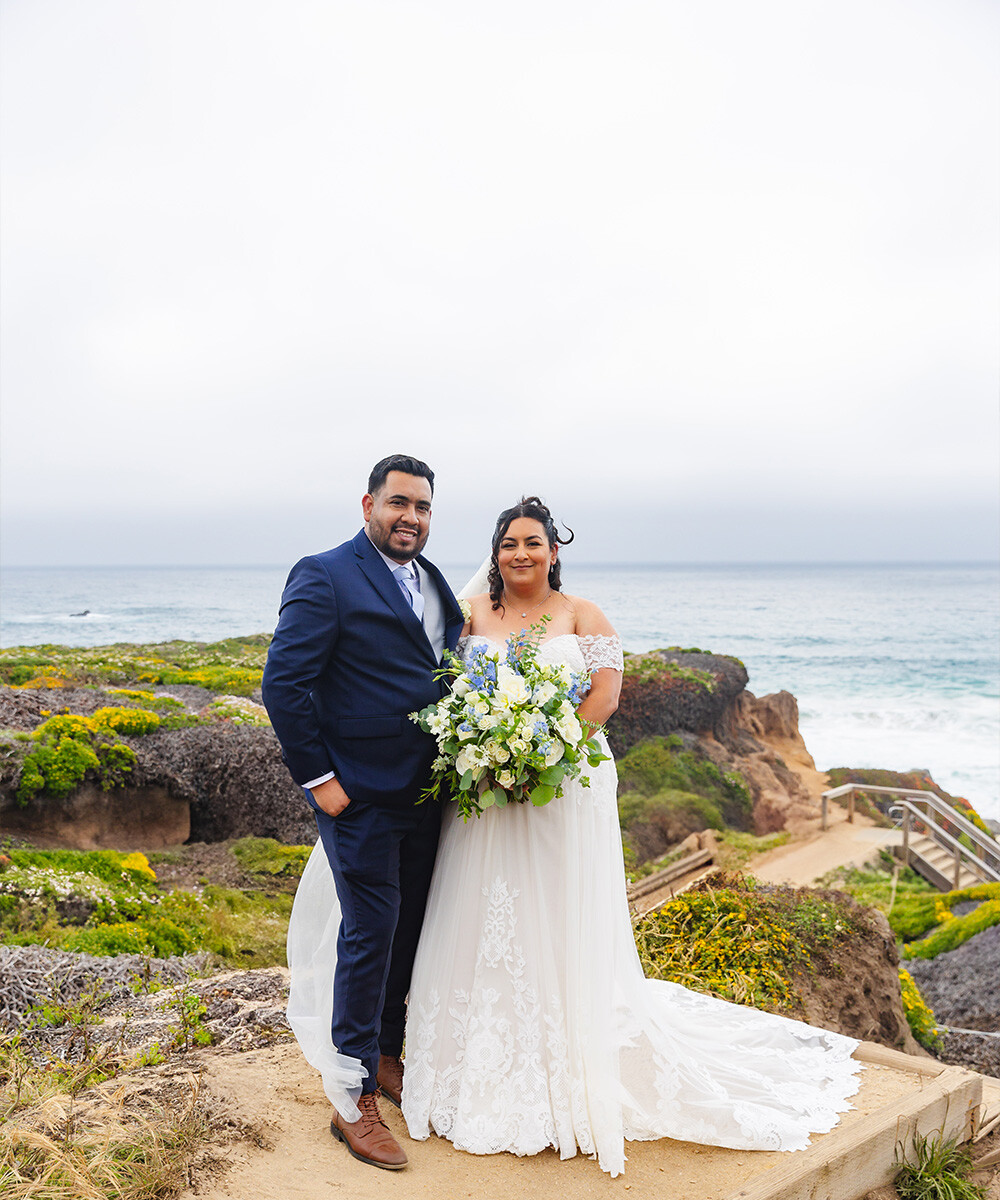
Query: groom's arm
[[303, 641]]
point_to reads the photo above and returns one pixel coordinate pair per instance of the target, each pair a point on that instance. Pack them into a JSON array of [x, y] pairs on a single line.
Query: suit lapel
[[382, 580]]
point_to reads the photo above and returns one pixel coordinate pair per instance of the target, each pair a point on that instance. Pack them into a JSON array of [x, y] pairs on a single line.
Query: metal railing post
[[906, 837]]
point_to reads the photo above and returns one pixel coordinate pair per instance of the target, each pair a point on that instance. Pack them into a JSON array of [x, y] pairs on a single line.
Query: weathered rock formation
[[859, 997], [221, 780], [758, 737], [93, 819]]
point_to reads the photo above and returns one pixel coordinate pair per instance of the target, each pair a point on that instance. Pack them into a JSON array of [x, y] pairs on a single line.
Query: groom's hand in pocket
[[330, 797]]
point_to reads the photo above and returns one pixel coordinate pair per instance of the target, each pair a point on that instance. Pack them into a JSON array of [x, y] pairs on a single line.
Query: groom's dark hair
[[398, 462]]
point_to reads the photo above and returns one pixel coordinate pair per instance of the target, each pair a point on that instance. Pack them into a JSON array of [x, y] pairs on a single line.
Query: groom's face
[[399, 515]]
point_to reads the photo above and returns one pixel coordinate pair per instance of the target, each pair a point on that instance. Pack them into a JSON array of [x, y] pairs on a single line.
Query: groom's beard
[[387, 539]]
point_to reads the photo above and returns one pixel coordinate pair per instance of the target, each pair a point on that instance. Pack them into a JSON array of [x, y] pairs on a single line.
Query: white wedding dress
[[530, 1023]]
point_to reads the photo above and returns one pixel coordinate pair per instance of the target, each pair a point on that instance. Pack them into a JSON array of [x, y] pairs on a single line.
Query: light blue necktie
[[409, 584]]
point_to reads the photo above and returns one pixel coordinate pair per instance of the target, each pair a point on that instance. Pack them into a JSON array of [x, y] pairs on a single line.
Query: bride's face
[[524, 554]]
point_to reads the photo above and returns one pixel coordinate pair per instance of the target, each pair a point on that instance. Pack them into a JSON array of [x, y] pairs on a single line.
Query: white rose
[[514, 689], [466, 760], [569, 728], [505, 778], [460, 686], [555, 753], [543, 693], [499, 753], [504, 673]]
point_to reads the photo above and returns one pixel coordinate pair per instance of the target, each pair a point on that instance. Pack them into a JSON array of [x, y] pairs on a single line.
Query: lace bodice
[[590, 652]]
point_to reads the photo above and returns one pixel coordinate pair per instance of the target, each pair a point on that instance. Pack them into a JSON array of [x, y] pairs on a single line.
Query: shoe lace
[[368, 1107]]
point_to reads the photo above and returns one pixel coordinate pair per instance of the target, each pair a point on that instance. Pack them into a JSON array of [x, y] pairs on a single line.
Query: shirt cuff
[[320, 779]]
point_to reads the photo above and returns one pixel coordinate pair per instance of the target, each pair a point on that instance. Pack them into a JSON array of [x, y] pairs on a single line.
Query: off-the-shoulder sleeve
[[600, 651]]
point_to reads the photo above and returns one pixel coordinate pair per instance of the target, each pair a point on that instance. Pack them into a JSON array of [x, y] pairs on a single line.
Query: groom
[[361, 630]]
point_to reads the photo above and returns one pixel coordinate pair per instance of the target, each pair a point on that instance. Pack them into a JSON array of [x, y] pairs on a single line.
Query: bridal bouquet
[[508, 729]]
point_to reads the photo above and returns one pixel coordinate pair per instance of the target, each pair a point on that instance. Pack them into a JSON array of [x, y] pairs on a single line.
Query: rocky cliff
[[704, 698], [218, 778]]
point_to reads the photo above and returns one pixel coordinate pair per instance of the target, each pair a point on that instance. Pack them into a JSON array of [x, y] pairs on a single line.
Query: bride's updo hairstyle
[[529, 506]]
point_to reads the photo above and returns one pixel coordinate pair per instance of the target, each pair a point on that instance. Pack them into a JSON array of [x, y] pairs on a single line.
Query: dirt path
[[802, 861]]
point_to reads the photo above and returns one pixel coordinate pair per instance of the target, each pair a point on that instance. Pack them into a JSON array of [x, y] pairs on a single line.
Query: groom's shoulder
[[346, 552]]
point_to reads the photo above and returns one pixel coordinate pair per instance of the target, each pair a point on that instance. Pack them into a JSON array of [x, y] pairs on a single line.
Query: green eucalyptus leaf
[[542, 794]]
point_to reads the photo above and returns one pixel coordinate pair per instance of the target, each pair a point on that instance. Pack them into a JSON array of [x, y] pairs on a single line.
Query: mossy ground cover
[[653, 666], [667, 792], [921, 917], [70, 748], [233, 666], [107, 903], [747, 942], [951, 931]]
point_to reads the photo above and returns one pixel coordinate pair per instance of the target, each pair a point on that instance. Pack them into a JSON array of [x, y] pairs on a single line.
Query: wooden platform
[[923, 1097]]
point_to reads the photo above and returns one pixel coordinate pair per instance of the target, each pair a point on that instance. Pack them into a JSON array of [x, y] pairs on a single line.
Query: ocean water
[[893, 666]]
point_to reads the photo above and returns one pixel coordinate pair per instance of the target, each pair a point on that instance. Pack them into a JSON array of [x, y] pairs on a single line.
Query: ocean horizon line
[[932, 563]]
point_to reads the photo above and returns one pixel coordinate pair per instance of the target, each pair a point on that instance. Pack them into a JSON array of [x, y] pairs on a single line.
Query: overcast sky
[[718, 279]]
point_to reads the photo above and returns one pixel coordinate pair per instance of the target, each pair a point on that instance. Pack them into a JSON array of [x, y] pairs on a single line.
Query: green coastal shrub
[[731, 939], [157, 936], [66, 747], [104, 902], [661, 765], [690, 809], [233, 665], [265, 856], [955, 931]]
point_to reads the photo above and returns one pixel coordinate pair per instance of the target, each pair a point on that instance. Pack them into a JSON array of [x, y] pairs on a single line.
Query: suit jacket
[[348, 662]]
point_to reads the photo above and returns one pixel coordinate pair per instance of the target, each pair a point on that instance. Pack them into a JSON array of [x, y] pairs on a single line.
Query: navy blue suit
[[348, 662]]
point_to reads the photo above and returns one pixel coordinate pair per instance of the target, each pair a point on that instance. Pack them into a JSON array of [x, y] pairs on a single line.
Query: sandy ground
[[802, 861], [813, 852], [278, 1092]]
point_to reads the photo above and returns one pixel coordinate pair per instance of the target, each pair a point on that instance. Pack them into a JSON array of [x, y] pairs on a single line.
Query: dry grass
[[115, 1142]]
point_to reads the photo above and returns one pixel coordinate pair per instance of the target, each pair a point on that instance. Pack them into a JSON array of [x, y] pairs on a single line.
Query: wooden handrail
[[910, 801]]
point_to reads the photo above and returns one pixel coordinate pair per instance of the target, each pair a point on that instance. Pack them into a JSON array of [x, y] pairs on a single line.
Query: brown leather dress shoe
[[369, 1139], [390, 1078]]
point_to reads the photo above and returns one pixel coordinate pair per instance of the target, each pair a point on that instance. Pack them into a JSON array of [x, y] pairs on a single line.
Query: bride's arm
[[606, 682]]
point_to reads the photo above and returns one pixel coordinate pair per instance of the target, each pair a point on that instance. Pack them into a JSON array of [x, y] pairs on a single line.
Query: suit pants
[[382, 860]]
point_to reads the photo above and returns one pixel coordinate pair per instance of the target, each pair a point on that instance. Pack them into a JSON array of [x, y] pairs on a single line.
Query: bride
[[530, 1023]]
